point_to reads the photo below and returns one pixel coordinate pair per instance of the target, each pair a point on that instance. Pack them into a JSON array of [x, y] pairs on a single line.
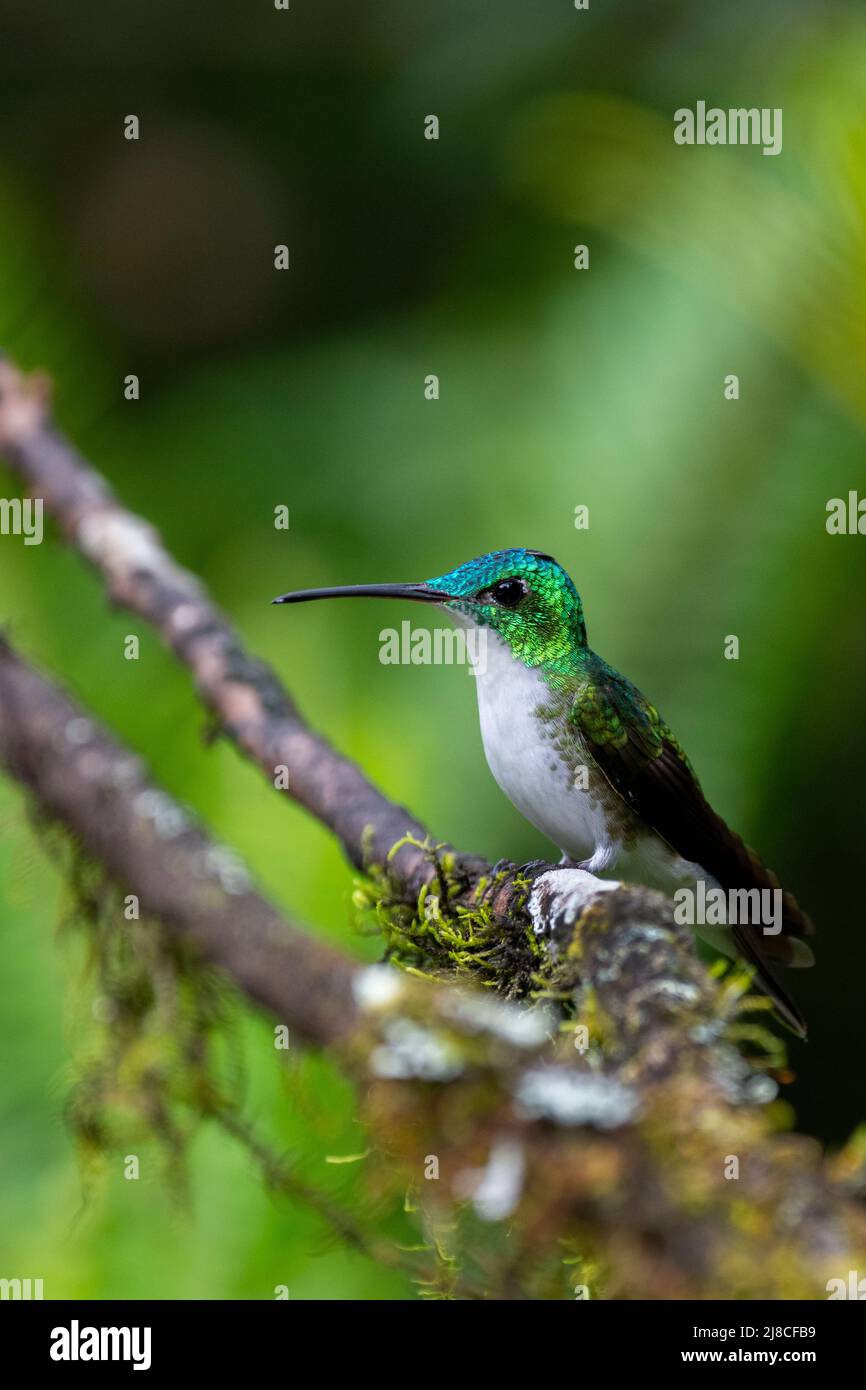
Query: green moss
[[159, 1053], [444, 936], [158, 1035]]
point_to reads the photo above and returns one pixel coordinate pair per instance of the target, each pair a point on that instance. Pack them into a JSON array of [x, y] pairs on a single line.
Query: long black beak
[[421, 593]]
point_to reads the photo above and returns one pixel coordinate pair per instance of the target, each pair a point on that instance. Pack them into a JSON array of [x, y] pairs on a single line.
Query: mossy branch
[[599, 1131]]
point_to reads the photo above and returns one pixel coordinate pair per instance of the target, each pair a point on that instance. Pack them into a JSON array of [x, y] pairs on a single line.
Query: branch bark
[[153, 848]]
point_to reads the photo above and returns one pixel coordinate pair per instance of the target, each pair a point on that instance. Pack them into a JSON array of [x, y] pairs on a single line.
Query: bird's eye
[[507, 593]]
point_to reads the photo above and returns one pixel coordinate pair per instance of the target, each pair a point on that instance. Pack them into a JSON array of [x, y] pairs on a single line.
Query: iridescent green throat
[[545, 630]]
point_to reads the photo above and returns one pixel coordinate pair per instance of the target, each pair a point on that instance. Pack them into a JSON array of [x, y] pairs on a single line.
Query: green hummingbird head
[[523, 596]]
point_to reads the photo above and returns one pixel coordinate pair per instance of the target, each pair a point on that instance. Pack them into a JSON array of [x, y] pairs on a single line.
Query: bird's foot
[[528, 870], [506, 872], [566, 862], [532, 867]]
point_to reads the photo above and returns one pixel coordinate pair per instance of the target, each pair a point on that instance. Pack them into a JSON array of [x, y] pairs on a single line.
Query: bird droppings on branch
[[495, 1189], [411, 1051], [566, 1097]]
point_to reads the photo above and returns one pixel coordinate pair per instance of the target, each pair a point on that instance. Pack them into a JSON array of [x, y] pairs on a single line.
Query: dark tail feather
[[784, 1005], [787, 947]]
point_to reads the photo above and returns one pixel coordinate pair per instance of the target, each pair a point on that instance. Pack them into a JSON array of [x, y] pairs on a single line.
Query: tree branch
[[152, 848]]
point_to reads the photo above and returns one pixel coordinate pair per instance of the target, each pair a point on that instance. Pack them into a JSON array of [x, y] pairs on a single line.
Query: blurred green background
[[558, 388]]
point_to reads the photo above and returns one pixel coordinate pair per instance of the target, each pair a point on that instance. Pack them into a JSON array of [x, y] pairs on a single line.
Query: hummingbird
[[589, 761]]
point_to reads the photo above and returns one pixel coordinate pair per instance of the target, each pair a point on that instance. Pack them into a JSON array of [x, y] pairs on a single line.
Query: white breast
[[534, 774]]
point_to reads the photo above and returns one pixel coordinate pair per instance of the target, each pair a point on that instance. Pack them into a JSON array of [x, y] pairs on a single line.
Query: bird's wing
[[645, 765]]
